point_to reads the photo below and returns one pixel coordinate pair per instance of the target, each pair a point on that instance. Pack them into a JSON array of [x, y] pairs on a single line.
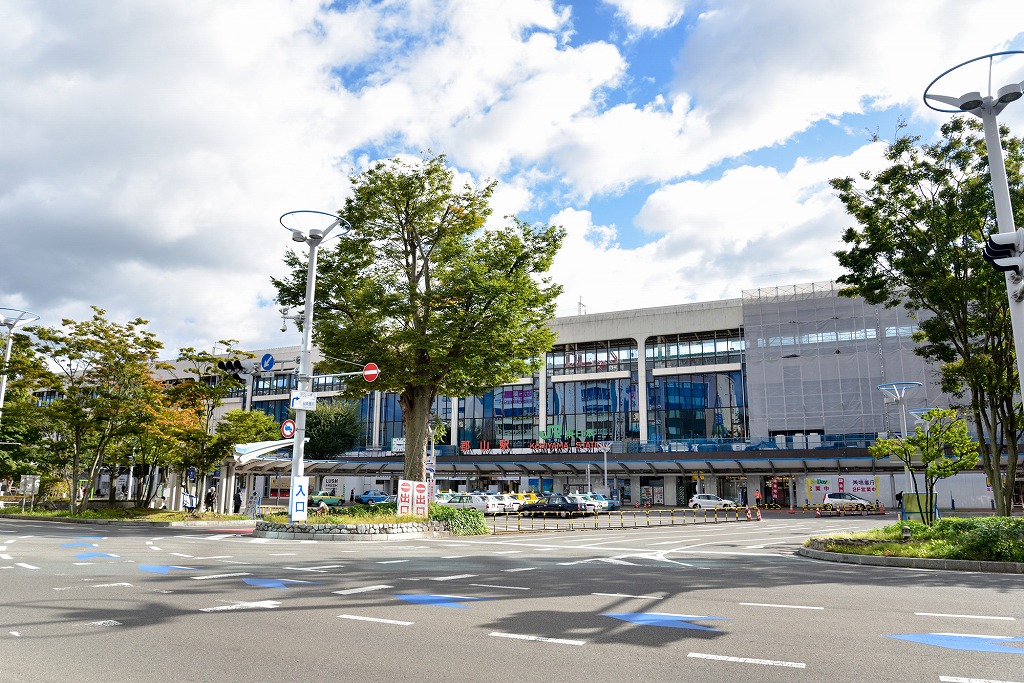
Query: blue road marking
[[163, 569], [79, 545], [274, 583], [438, 600], [87, 556], [961, 641], [666, 620]]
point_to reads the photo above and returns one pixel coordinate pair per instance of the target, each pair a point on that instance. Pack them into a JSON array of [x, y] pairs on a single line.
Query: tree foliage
[[332, 429], [938, 452], [921, 224], [443, 305]]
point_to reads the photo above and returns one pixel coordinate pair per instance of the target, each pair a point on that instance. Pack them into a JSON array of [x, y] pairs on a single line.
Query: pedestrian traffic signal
[[1005, 251]]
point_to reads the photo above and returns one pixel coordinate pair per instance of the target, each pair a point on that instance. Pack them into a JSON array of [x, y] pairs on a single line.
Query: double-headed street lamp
[[313, 238], [987, 108], [11, 318]]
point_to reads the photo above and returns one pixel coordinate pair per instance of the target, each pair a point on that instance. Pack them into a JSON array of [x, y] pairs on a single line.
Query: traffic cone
[[758, 514], [817, 512]]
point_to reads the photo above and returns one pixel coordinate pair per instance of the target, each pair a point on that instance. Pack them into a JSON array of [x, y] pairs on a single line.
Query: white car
[[710, 500], [844, 500], [587, 504], [602, 503], [485, 504], [511, 503]]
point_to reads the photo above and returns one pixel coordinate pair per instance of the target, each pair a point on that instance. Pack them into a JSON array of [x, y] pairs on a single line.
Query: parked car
[[485, 504], [552, 505], [390, 499], [588, 505], [328, 497], [443, 497], [844, 500], [373, 496], [511, 503], [710, 500], [608, 503]]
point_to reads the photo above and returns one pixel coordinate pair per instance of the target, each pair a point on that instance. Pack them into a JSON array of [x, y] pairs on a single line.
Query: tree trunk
[[416, 403]]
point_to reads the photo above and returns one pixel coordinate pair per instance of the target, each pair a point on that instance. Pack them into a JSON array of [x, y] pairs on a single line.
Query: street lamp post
[[896, 392], [313, 238], [11, 318], [987, 108]]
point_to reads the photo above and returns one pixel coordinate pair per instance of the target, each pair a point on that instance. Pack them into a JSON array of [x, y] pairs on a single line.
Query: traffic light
[[1005, 251], [236, 368]]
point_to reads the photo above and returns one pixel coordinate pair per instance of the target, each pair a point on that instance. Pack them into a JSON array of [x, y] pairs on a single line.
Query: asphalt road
[[726, 602]]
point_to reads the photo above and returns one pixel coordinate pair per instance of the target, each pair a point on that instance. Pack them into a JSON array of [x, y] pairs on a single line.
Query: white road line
[[259, 540], [452, 578], [520, 569], [676, 541], [768, 604], [263, 604], [392, 561], [153, 547], [3, 547], [106, 622], [375, 619], [539, 639], [181, 555], [364, 589], [218, 576], [281, 554], [26, 565], [215, 557], [14, 633], [957, 679], [5, 556], [625, 595], [745, 660], [962, 616], [488, 585], [506, 552], [452, 557]]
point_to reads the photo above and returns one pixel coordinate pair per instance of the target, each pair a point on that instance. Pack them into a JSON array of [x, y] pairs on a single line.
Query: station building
[[774, 394]]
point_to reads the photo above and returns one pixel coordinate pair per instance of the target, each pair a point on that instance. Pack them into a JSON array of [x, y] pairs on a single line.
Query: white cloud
[[649, 15]]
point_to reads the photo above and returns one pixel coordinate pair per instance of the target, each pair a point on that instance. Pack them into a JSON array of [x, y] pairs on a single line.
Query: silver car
[[710, 500]]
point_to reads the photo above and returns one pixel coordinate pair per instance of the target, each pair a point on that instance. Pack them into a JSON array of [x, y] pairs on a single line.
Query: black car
[[552, 505]]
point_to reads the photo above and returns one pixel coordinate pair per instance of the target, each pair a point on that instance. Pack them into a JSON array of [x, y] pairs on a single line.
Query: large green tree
[[332, 429], [102, 376], [920, 226], [443, 305]]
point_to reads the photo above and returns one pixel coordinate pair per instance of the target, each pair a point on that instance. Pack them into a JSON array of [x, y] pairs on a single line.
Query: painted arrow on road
[[87, 556], [438, 600], [965, 641], [666, 620], [79, 545], [273, 583], [164, 569]]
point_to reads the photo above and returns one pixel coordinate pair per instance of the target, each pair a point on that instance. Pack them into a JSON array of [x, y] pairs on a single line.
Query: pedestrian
[[238, 500], [211, 498], [352, 496], [757, 499], [899, 498], [163, 503]]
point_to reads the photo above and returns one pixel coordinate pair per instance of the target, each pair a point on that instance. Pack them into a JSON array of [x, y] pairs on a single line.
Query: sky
[[150, 147]]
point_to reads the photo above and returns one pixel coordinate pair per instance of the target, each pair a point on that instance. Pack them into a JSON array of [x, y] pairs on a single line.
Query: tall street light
[[896, 392], [11, 318], [313, 238], [987, 108]]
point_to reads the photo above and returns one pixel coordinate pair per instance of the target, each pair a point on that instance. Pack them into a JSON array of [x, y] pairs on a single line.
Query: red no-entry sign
[[370, 372]]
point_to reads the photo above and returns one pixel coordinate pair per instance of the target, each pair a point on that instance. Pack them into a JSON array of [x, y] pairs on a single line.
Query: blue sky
[[685, 145]]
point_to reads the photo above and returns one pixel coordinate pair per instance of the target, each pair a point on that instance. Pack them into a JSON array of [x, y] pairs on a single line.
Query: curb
[[138, 523], [915, 562]]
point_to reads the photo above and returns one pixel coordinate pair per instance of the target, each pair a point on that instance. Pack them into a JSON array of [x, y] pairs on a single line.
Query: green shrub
[[461, 521], [995, 539]]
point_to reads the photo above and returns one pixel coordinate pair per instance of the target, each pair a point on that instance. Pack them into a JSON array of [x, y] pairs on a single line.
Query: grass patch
[[123, 514], [986, 539], [460, 522]]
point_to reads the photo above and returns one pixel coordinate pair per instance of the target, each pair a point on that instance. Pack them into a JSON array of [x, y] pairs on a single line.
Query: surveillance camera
[[284, 326]]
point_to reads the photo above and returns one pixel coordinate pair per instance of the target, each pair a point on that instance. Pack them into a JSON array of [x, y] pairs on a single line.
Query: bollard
[[716, 515], [647, 516]]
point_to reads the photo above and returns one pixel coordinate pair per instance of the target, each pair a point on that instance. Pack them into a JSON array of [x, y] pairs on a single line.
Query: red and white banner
[[413, 498]]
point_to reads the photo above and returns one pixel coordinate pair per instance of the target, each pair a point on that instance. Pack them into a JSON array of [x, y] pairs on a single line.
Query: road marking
[[26, 565], [452, 578], [392, 561], [364, 589], [506, 552], [181, 555], [957, 679], [15, 634], [673, 542], [259, 540], [218, 576], [624, 595], [375, 619], [215, 557], [745, 660], [539, 639], [153, 547], [263, 604], [768, 604], [488, 585], [281, 554], [452, 557], [520, 569], [6, 557], [962, 616], [106, 622]]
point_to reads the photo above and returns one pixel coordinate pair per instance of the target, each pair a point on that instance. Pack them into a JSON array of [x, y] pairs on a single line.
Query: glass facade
[[604, 356], [701, 406], [505, 414], [593, 410]]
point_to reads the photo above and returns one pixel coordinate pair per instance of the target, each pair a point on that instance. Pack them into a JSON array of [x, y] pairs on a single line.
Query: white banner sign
[[298, 499], [413, 498]]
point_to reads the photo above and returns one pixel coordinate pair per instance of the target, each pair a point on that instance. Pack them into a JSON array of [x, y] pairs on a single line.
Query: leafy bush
[[461, 521], [989, 539]]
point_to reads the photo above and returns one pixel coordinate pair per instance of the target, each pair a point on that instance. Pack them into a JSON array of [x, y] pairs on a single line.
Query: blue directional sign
[[438, 600], [963, 641], [273, 583], [267, 362], [163, 569], [89, 556], [666, 620]]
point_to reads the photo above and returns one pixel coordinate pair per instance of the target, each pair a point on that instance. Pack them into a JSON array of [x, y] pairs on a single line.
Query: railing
[[620, 519]]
